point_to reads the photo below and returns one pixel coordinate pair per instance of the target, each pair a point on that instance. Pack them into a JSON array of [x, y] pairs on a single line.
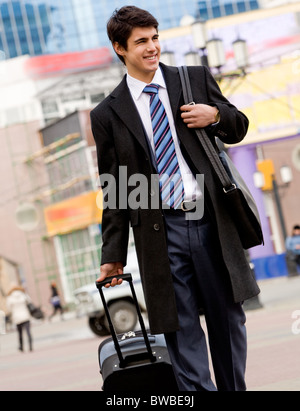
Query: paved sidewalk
[[65, 352], [64, 358], [274, 337]]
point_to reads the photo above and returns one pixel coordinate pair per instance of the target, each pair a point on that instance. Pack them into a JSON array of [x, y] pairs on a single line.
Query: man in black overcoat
[[186, 262]]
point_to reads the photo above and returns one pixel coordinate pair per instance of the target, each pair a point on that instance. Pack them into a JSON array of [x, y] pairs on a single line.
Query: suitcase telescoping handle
[[124, 361]]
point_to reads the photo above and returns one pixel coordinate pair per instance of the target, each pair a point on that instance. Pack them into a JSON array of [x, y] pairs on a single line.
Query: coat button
[[156, 227]]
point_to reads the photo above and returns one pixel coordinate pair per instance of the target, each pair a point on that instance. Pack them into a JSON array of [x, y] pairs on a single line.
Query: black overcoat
[[121, 141]]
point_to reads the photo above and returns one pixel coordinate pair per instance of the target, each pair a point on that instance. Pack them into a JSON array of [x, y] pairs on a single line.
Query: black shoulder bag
[[241, 205]]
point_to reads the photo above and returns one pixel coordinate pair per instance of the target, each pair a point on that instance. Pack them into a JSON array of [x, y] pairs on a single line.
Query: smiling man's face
[[142, 54]]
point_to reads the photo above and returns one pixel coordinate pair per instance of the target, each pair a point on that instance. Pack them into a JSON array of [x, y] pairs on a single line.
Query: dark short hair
[[124, 20]]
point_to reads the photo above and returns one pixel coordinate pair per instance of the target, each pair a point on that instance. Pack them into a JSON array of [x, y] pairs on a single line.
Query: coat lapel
[[173, 84], [124, 107], [174, 87]]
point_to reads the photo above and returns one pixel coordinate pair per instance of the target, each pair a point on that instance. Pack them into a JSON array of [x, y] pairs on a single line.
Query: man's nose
[[151, 46]]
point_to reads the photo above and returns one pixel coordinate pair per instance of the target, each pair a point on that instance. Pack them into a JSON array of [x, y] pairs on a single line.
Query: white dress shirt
[[142, 101]]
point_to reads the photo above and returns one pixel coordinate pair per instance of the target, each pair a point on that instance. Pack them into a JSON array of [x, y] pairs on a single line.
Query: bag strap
[[203, 137]]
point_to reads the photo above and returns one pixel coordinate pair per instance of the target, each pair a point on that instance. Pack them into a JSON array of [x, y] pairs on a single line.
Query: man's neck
[[146, 78]]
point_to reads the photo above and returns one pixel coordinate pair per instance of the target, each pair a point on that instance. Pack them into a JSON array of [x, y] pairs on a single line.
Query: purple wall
[[244, 159]]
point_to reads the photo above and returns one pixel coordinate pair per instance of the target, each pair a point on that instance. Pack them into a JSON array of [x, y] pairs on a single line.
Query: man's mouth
[[151, 57]]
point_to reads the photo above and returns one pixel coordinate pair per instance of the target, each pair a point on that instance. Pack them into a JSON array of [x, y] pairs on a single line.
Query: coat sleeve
[[115, 220], [233, 124]]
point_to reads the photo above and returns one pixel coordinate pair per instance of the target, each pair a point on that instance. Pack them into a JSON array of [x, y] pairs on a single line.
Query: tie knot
[[151, 88]]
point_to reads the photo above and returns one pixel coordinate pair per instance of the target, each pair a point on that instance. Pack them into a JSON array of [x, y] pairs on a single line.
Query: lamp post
[[279, 207], [265, 179], [212, 51]]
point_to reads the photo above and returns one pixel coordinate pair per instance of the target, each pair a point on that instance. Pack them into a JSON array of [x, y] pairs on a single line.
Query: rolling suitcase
[[135, 361]]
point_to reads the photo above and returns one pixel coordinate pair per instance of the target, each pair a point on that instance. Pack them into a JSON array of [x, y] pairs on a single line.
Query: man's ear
[[118, 48]]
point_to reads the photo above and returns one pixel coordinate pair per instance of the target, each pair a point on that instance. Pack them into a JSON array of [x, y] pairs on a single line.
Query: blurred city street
[[65, 352]]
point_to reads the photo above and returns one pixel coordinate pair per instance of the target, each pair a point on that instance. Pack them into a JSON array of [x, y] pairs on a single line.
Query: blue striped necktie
[[170, 179]]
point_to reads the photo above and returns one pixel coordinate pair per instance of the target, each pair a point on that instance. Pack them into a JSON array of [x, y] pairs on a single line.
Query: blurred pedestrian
[[55, 301], [17, 302], [293, 246]]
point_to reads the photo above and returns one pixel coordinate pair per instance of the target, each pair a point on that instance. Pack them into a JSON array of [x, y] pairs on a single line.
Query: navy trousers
[[201, 279]]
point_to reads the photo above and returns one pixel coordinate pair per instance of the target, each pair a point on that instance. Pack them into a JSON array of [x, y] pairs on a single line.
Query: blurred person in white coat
[[16, 302]]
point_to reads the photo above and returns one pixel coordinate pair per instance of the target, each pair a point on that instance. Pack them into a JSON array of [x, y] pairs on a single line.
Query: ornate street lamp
[[212, 52]]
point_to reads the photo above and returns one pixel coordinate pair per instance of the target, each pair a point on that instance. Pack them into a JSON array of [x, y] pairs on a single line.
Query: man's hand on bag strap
[[199, 115]]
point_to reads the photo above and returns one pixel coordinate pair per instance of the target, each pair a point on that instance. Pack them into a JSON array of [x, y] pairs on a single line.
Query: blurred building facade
[[48, 155], [71, 208], [36, 27], [49, 218]]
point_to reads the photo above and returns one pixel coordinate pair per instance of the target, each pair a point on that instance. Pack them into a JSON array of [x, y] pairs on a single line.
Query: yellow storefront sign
[[73, 214], [266, 167]]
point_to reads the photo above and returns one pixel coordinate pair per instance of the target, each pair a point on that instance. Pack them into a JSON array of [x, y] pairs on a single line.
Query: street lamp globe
[[192, 58], [216, 53], [199, 34], [167, 57], [286, 174], [240, 50], [258, 179]]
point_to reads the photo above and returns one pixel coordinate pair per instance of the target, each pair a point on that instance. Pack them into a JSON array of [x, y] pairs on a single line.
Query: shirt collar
[[136, 87]]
